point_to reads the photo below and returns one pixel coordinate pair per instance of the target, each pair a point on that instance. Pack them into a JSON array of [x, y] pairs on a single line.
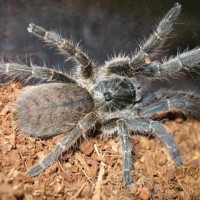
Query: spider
[[112, 96]]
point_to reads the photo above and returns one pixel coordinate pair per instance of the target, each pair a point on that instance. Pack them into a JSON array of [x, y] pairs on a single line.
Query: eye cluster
[[114, 93]]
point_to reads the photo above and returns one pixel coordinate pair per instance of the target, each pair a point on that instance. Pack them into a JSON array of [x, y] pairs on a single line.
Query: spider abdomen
[[51, 109]]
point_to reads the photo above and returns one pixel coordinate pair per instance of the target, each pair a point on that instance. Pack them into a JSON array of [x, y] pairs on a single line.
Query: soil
[[93, 169]]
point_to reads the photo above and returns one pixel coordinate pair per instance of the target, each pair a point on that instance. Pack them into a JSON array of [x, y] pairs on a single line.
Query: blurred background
[[104, 28]]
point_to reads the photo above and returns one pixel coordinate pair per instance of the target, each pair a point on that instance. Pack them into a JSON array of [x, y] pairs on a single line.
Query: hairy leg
[[126, 148], [86, 68], [119, 126], [188, 104], [15, 70], [157, 39], [147, 126], [187, 61], [164, 94], [143, 127], [70, 139], [125, 66]]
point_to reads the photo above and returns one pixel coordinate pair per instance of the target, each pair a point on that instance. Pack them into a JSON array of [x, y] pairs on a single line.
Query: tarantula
[[111, 96]]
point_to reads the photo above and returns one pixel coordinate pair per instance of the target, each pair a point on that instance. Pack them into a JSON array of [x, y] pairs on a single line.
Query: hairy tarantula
[[111, 96]]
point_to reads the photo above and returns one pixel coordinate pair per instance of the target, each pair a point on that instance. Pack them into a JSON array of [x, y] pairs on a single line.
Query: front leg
[[157, 39], [130, 66], [86, 68], [187, 61]]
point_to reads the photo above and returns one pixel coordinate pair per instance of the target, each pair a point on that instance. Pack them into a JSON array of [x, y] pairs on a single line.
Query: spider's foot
[[30, 27], [35, 170], [178, 161], [176, 155], [128, 179], [178, 5], [36, 30]]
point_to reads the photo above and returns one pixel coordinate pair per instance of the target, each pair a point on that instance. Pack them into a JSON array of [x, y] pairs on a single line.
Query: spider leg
[[120, 126], [126, 147], [126, 66], [147, 126], [187, 61], [15, 70], [87, 67], [84, 125], [164, 94], [157, 39], [186, 105], [140, 126]]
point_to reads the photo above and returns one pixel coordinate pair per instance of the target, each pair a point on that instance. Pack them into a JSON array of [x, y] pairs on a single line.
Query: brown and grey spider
[[111, 96]]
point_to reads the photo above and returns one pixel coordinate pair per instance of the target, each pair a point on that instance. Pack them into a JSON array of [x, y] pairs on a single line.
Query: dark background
[[103, 27]]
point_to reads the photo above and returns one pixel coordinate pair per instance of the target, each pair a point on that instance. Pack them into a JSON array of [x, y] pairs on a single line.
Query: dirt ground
[[93, 171]]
